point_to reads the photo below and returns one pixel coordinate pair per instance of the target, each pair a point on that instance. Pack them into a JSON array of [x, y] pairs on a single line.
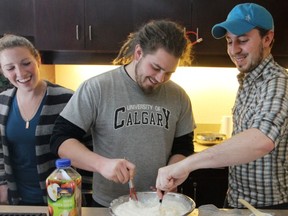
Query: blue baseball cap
[[242, 19]]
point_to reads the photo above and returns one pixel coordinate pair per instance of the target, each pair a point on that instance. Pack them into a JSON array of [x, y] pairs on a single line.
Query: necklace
[[26, 117]]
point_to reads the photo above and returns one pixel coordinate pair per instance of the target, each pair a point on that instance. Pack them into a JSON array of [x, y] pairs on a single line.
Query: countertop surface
[[200, 147], [105, 211]]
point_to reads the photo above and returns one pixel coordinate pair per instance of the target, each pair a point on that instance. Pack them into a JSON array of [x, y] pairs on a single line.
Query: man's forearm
[[176, 158], [80, 156], [241, 148]]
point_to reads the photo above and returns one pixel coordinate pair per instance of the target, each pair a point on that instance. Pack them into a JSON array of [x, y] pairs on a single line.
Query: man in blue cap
[[257, 152]]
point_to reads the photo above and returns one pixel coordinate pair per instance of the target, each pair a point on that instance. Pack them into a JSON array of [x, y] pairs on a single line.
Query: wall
[[212, 90], [47, 72]]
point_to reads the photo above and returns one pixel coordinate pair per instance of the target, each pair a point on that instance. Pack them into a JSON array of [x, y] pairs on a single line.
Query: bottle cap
[[63, 162]]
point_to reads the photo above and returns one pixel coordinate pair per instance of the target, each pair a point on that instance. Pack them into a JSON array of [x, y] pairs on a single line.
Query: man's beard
[[146, 90], [254, 62]]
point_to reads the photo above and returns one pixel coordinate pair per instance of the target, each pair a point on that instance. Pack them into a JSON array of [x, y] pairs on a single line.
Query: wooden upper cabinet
[[98, 25], [101, 26], [279, 12], [205, 14], [179, 11], [107, 23], [17, 17], [82, 25], [59, 24]]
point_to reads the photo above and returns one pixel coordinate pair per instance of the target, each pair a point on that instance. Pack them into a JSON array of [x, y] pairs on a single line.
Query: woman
[[27, 115], [4, 83]]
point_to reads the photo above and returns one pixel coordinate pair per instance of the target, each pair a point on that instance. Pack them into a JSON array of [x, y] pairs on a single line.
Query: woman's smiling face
[[20, 67]]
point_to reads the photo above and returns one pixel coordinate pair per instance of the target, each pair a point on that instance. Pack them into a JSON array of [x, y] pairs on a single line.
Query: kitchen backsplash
[[211, 90]]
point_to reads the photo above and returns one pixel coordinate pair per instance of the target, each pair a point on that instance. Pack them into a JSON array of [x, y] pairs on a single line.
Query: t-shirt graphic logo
[[141, 114]]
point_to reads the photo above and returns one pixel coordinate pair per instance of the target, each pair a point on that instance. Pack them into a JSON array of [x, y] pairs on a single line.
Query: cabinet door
[[280, 15], [147, 10], [59, 24], [17, 17], [107, 24], [206, 186], [210, 51]]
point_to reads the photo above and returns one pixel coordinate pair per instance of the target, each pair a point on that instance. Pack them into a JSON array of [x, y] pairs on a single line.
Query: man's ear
[[138, 53], [268, 38]]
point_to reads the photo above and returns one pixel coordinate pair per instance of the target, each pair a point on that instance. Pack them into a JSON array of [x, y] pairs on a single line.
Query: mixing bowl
[[145, 197]]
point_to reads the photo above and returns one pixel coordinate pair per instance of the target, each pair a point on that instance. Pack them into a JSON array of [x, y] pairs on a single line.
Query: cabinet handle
[[180, 189], [77, 32], [195, 191], [90, 32]]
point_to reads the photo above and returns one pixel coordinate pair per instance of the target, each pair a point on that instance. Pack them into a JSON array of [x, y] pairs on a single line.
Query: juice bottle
[[64, 190]]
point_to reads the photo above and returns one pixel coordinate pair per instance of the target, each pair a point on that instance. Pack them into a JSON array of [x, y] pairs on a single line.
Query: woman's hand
[[4, 194]]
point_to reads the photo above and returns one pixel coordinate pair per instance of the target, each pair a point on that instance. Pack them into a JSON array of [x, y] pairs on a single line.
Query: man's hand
[[118, 170], [170, 177]]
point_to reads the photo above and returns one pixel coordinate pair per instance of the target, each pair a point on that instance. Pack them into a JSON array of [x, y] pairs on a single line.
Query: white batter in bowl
[[173, 204]]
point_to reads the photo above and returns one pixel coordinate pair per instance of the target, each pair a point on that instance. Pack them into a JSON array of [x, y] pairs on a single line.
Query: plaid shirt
[[262, 103]]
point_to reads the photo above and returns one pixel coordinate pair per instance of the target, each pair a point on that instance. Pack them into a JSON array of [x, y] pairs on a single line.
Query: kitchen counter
[[102, 211], [200, 147]]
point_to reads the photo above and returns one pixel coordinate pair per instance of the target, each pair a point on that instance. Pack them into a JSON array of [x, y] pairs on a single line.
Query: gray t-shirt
[[126, 123]]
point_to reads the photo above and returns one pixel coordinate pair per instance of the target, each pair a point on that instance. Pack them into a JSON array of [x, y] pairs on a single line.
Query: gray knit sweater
[[57, 97]]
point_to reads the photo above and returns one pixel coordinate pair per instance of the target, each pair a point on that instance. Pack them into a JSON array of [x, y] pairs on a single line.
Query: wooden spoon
[[255, 211]]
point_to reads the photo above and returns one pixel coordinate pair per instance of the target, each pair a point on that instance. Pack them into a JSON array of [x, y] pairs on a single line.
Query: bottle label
[[64, 197]]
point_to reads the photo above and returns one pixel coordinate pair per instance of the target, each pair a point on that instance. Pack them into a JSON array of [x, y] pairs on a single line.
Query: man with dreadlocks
[[139, 119]]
